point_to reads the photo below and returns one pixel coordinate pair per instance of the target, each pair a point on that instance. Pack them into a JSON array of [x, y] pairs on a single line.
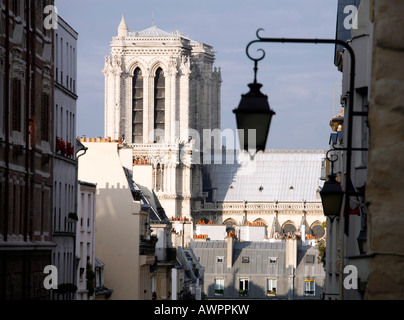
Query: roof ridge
[[154, 31]]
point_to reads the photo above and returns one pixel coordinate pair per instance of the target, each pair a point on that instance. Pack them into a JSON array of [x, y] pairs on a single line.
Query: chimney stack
[[229, 251], [291, 253]]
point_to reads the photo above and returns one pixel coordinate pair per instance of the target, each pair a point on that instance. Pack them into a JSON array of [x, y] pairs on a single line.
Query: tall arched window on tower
[[137, 107], [159, 106], [158, 177]]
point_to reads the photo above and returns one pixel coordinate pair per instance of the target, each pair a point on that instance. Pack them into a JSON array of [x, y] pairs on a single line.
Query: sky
[[301, 81]]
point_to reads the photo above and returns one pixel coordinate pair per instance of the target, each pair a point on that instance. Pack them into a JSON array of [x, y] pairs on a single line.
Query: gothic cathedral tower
[[161, 92]]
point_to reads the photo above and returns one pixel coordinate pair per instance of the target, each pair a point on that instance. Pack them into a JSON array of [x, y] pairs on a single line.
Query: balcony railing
[[147, 248], [166, 254]]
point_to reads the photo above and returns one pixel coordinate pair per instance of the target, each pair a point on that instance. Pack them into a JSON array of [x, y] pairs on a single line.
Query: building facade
[[161, 92], [122, 237], [279, 189], [383, 190], [368, 239], [85, 241], [346, 235], [162, 98], [281, 270], [26, 145], [65, 162]]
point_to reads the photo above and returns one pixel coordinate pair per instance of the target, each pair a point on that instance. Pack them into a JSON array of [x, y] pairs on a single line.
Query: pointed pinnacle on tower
[[123, 28]]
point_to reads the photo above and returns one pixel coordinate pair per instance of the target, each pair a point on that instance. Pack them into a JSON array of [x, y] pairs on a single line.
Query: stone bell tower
[[161, 92]]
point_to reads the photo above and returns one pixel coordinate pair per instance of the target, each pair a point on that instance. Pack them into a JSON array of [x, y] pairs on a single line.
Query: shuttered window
[[45, 116], [16, 105]]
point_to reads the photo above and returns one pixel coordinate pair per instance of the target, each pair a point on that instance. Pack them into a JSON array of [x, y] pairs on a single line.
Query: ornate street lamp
[[253, 115], [331, 194], [331, 197], [262, 104]]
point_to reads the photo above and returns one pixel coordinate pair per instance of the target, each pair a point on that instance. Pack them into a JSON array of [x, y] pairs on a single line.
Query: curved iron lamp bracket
[[350, 112], [256, 59], [332, 160]]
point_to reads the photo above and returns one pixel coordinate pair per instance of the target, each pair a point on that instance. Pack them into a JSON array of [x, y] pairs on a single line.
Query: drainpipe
[[229, 251], [75, 209], [183, 233], [292, 283], [31, 157]]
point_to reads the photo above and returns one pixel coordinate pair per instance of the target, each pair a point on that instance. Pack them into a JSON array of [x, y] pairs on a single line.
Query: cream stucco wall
[[117, 215]]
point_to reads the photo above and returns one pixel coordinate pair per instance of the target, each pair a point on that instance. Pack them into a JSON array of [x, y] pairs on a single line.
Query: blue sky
[[301, 81]]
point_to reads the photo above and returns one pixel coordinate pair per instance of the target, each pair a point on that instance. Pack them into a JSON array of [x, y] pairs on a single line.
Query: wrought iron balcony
[[166, 254], [147, 247]]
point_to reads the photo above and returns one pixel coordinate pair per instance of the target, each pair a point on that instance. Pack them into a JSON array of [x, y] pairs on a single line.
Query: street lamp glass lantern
[[253, 113], [331, 197]]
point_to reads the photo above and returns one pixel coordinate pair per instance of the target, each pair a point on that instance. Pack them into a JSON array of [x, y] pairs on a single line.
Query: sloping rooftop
[[147, 197], [153, 31], [221, 244], [258, 254], [282, 175]]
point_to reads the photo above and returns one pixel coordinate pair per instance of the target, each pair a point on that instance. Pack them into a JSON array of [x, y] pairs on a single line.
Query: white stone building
[[85, 237], [161, 92], [162, 102], [65, 163], [347, 237], [275, 194], [122, 237]]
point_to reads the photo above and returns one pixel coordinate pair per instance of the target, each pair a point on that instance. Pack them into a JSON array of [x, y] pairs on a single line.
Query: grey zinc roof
[[153, 31], [282, 175], [257, 252], [99, 263]]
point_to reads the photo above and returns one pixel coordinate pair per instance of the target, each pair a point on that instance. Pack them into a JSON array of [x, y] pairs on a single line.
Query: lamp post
[[350, 113], [253, 116], [331, 193]]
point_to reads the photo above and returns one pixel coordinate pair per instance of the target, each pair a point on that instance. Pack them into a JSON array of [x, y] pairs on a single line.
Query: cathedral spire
[[123, 28]]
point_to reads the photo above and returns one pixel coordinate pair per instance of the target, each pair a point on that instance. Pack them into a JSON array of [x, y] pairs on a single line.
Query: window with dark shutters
[[16, 105], [45, 117]]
